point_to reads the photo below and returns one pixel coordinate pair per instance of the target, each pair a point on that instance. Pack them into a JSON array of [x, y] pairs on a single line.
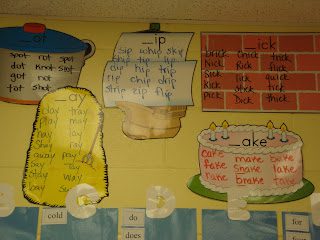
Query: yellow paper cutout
[[66, 147]]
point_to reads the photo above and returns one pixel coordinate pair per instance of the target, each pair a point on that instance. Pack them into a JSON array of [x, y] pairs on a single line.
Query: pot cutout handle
[[91, 48]]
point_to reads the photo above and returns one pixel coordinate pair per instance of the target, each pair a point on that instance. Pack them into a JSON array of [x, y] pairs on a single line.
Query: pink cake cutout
[[248, 159]]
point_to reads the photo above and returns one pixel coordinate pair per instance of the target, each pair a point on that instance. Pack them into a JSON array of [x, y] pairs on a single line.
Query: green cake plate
[[195, 186]]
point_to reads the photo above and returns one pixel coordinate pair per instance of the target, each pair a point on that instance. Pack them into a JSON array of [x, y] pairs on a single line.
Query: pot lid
[[35, 37]]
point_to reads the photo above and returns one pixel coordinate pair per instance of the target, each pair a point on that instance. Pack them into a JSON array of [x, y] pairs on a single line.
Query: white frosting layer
[[256, 192], [250, 150]]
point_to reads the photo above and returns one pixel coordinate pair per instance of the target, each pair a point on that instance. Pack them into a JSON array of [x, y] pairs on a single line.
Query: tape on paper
[[80, 201], [237, 205], [7, 203], [160, 202]]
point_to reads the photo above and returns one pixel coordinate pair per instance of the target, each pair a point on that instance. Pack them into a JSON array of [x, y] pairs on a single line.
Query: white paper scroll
[[150, 69], [167, 47], [158, 84]]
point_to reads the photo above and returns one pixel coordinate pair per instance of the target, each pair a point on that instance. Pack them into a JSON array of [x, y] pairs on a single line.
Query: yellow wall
[[135, 165]]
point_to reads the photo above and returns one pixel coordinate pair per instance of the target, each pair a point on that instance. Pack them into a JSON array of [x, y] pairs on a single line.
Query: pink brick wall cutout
[[271, 72]]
